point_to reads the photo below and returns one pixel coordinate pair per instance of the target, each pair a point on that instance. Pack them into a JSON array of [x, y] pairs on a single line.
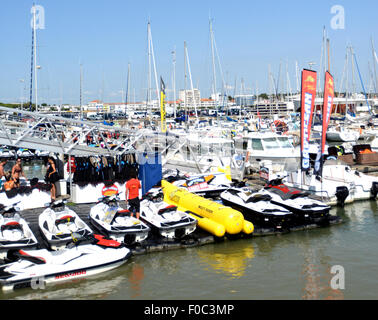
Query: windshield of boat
[[257, 144], [271, 143], [284, 142]]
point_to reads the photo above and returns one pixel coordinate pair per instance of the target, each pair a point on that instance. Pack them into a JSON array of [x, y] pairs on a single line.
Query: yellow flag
[[163, 123]]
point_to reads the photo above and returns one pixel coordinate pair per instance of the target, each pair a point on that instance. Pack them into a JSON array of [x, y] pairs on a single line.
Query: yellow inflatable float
[[232, 220]]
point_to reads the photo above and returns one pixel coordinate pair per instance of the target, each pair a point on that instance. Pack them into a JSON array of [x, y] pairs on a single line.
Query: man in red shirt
[[132, 195]]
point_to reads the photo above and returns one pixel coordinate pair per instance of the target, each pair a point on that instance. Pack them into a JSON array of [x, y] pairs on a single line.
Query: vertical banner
[[326, 115], [308, 96], [163, 122]]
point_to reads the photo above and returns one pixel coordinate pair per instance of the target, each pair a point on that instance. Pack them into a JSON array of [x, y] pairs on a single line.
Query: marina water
[[292, 266]]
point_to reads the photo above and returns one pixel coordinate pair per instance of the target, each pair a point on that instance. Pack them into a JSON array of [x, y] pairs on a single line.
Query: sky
[[105, 37]]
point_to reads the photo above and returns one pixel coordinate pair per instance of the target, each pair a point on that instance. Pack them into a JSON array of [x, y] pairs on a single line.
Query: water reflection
[[136, 277], [228, 259]]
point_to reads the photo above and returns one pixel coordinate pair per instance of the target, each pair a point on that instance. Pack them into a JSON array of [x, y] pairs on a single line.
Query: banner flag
[[163, 122], [308, 95], [329, 95]]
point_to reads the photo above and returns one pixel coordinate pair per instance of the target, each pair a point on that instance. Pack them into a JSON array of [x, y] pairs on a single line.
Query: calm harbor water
[[292, 266]]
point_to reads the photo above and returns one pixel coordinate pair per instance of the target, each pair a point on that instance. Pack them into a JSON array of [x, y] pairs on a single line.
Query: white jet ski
[[7, 153], [306, 210], [257, 208], [109, 218], [59, 225], [165, 219], [15, 232], [37, 268], [25, 154]]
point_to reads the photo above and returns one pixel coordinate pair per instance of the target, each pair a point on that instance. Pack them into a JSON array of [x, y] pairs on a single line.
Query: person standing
[[132, 195], [52, 176], [3, 162], [18, 172]]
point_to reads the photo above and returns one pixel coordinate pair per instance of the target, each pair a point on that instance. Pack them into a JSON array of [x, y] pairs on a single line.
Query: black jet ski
[[257, 208], [306, 210]]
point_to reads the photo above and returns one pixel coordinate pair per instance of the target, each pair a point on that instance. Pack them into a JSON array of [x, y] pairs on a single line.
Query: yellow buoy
[[209, 225], [232, 220], [248, 227]]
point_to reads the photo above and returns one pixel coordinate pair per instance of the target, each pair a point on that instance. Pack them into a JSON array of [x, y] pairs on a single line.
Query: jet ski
[[257, 208], [109, 218], [165, 219], [25, 154], [305, 209], [15, 232], [59, 225], [6, 153], [37, 268], [209, 185]]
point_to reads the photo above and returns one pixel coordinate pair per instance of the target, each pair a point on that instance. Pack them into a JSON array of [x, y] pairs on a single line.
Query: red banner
[[327, 105], [308, 96]]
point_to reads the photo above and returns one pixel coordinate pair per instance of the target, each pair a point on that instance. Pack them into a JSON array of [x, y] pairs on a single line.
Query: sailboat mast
[[149, 67], [214, 72], [375, 63], [32, 61], [174, 81], [185, 79], [81, 88], [35, 59], [127, 88]]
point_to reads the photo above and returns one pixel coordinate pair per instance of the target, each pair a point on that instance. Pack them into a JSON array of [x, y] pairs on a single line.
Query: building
[[192, 98]]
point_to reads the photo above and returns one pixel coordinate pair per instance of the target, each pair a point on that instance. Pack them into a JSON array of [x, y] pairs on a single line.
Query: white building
[[192, 98]]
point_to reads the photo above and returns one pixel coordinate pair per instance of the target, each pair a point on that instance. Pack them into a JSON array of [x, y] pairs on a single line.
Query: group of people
[[12, 178]]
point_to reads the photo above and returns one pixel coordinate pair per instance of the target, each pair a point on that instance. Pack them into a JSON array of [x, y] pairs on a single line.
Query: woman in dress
[[52, 176]]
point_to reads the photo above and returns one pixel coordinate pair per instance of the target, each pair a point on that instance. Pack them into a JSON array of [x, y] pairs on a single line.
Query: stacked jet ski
[[86, 257], [305, 209], [165, 219], [109, 218], [209, 185], [59, 225], [15, 232], [257, 207]]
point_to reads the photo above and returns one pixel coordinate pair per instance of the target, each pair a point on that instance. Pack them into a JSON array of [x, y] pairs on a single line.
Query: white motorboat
[[342, 134], [262, 146], [15, 232], [37, 268], [165, 219], [59, 225], [109, 218]]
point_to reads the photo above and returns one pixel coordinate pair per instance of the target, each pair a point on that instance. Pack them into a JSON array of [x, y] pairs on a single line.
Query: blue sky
[[107, 35]]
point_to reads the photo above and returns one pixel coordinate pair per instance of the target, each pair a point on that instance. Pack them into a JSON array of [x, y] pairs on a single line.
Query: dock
[[155, 243]]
